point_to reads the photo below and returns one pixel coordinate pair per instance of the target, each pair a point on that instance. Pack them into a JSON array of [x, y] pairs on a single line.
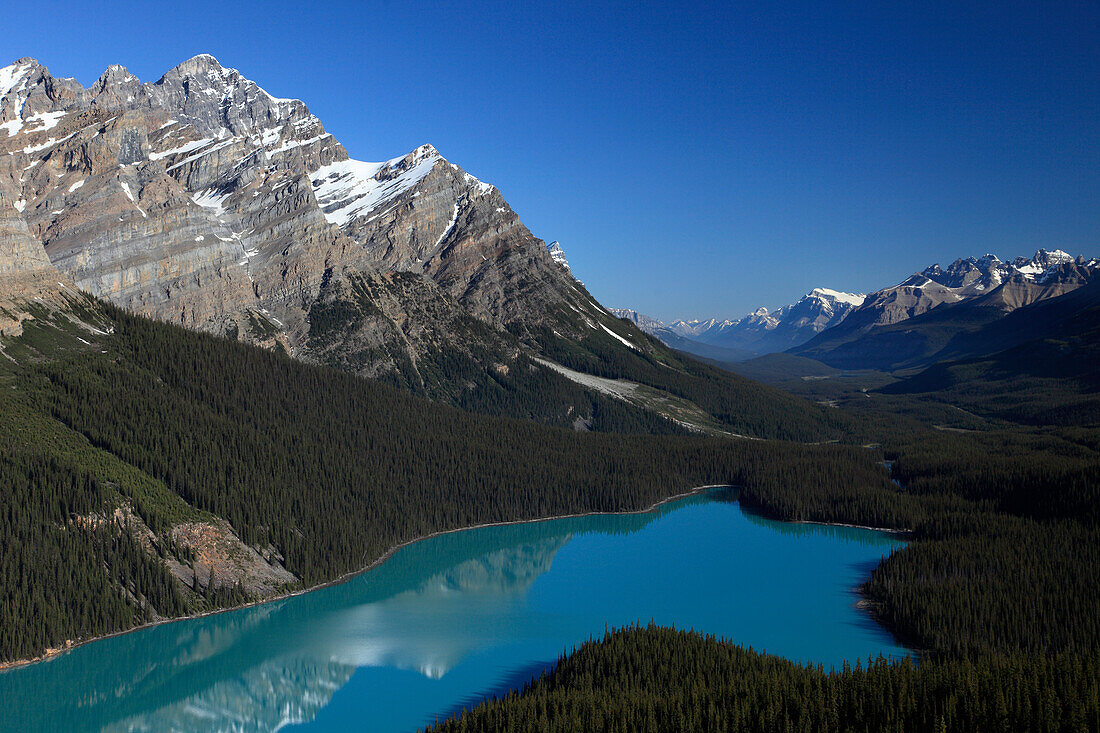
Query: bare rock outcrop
[[26, 274]]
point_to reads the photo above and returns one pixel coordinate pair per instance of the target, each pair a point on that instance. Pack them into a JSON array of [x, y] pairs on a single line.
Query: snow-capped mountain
[[823, 313], [674, 340], [1043, 262], [203, 200], [697, 329], [995, 288], [557, 254], [764, 331], [963, 279], [976, 275]]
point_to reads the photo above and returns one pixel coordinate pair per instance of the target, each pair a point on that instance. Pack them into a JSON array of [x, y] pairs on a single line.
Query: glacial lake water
[[450, 620]]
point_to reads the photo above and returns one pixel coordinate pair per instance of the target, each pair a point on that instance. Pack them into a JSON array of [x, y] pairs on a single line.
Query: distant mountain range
[[759, 332], [889, 328], [675, 340], [931, 315], [1055, 337]]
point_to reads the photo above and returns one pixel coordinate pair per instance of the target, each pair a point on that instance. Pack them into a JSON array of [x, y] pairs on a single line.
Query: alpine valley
[[237, 364], [198, 223]]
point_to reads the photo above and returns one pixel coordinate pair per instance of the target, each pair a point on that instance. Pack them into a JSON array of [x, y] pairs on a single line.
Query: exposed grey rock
[[646, 323], [202, 200], [26, 274]]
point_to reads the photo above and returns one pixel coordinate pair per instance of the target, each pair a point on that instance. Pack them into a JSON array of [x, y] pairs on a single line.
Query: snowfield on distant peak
[[852, 298]]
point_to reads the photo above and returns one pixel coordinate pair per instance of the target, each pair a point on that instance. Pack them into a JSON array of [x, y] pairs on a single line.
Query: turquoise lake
[[450, 620]]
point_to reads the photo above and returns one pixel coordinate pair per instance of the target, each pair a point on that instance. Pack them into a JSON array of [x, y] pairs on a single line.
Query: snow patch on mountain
[[185, 148], [450, 227], [13, 79], [351, 188], [558, 254], [618, 337], [11, 76], [838, 296]]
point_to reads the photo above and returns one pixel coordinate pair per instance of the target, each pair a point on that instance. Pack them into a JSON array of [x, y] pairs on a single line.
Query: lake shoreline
[[866, 604], [53, 653], [884, 530], [763, 512]]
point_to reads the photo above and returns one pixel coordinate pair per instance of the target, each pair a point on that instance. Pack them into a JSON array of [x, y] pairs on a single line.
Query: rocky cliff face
[[647, 323], [26, 274], [202, 200]]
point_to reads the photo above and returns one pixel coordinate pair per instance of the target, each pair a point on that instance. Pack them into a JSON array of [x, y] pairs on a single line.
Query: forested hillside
[[317, 470], [120, 431], [738, 404], [656, 679]]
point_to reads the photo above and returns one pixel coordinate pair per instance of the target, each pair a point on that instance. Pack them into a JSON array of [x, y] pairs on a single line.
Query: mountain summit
[[203, 200]]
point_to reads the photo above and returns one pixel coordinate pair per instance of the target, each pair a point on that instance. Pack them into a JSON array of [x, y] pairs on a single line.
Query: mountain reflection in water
[[441, 623]]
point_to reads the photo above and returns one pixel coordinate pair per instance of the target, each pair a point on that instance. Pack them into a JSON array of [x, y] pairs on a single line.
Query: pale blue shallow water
[[447, 621]]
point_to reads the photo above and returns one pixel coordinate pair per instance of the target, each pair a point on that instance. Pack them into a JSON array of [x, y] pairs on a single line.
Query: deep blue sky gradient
[[696, 159]]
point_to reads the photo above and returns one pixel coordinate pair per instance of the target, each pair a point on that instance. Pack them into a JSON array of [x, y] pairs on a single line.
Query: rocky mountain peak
[[214, 98], [114, 76], [425, 154], [200, 73], [203, 200], [830, 296], [13, 74], [1042, 260], [16, 81], [202, 64], [557, 254], [18, 70], [642, 321], [973, 275]]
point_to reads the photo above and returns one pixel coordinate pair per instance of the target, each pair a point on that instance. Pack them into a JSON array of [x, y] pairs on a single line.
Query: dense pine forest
[[658, 679], [1006, 554], [52, 568], [328, 469], [136, 421]]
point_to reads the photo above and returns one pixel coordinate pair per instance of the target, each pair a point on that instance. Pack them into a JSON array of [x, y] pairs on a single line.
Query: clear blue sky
[[693, 160]]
